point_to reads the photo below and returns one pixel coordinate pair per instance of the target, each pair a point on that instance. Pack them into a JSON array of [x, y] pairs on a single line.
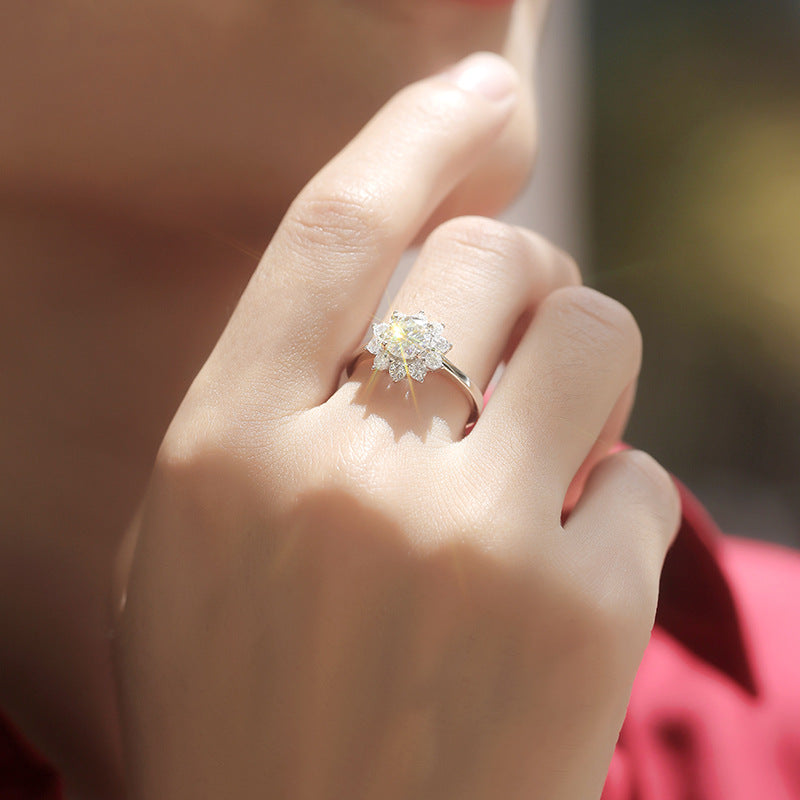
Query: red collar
[[696, 603]]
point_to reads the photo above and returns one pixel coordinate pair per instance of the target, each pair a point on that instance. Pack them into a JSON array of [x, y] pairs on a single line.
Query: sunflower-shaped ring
[[408, 347]]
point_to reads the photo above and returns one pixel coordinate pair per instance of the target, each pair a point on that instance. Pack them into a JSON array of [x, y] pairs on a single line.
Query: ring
[[409, 346]]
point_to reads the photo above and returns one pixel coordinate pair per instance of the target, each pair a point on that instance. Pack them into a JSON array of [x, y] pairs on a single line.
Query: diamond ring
[[409, 347]]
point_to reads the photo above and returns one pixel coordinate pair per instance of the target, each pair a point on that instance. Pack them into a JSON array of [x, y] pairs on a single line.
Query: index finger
[[322, 276]]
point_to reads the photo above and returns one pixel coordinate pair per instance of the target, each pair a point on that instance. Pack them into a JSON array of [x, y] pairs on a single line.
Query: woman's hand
[[332, 593]]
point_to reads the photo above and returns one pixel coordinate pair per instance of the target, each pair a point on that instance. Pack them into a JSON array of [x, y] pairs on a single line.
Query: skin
[[134, 197]]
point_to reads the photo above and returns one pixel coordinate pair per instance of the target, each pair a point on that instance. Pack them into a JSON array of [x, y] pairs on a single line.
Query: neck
[[103, 324]]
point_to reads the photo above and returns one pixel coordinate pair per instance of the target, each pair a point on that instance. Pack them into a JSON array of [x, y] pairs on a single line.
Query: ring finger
[[478, 277]]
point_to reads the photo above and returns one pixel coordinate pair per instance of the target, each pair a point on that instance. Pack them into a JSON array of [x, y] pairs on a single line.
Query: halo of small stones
[[408, 346]]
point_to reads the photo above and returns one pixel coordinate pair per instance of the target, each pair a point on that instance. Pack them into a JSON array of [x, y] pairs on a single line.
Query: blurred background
[[670, 166]]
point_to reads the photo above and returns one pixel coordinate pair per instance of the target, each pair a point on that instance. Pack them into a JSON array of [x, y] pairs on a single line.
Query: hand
[[333, 594]]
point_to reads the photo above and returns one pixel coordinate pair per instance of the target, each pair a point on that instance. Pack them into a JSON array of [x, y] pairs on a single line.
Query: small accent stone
[[433, 360], [382, 360], [441, 344], [397, 369], [417, 369]]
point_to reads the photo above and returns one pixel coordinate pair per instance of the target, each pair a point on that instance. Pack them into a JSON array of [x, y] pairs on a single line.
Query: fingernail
[[487, 74]]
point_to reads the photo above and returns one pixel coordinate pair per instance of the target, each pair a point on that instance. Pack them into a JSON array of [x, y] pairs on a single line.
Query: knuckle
[[211, 428], [651, 498], [563, 270], [191, 450], [208, 488], [342, 218], [658, 487], [187, 476], [568, 267], [485, 251], [193, 432], [480, 238], [596, 322], [656, 512], [196, 501]]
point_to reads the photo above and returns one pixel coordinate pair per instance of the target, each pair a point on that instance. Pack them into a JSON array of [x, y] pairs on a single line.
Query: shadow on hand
[[277, 634], [434, 409]]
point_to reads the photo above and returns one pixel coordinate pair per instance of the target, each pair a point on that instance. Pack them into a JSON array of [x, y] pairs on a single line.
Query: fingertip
[[663, 485], [486, 74], [564, 268]]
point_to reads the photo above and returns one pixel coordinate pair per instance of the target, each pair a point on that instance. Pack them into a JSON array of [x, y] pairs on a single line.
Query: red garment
[[715, 708]]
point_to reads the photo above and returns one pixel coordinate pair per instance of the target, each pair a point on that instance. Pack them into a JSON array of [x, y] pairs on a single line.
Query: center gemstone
[[408, 346], [407, 338]]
